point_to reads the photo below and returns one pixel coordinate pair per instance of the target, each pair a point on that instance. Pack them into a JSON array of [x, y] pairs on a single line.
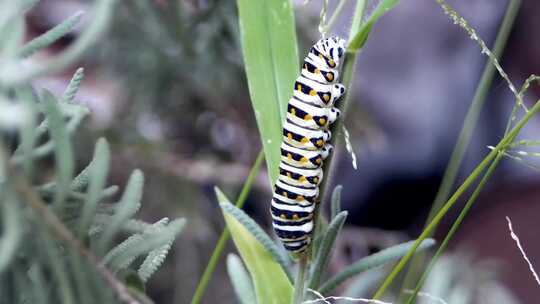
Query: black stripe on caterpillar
[[305, 145]]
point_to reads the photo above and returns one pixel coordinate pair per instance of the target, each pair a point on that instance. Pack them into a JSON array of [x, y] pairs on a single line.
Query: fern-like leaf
[[73, 87]]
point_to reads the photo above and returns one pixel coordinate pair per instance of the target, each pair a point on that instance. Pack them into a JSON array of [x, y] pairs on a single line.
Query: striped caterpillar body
[[305, 145]]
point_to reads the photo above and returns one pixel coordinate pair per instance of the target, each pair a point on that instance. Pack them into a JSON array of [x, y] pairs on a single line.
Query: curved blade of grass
[[375, 260], [240, 280], [271, 282], [452, 200], [323, 255], [464, 138], [270, 53]]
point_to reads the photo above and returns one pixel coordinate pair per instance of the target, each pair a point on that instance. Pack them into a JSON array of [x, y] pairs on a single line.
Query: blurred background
[[167, 88]]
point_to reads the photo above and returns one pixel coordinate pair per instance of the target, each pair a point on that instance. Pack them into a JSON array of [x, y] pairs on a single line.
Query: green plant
[[267, 33], [61, 230]]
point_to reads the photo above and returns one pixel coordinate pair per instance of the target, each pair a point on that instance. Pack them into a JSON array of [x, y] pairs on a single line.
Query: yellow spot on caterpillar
[[293, 111], [320, 56], [302, 178], [289, 136], [307, 117], [330, 76], [289, 174], [283, 216], [312, 93], [326, 97], [304, 140], [318, 160], [322, 121], [295, 216], [285, 194], [303, 159], [320, 142], [331, 63], [299, 88], [317, 71], [305, 66], [299, 198], [315, 180], [289, 155]]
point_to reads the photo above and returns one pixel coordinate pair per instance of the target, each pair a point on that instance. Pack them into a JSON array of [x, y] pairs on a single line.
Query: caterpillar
[[310, 112]]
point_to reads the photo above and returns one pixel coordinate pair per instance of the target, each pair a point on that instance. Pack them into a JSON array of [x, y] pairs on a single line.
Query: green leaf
[[63, 151], [50, 36], [361, 36], [253, 228], [336, 201], [271, 282], [270, 52], [73, 87], [325, 249], [98, 176], [240, 279], [375, 260]]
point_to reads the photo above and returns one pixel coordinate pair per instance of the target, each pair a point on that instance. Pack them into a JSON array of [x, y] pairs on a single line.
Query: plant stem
[[469, 124], [225, 234], [456, 225], [468, 181], [299, 284]]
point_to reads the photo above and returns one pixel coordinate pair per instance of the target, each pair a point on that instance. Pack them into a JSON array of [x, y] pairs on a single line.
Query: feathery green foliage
[[55, 234]]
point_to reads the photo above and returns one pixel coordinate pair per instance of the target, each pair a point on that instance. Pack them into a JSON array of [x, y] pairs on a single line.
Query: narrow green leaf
[[127, 207], [270, 52], [325, 249], [98, 177], [240, 279], [336, 201], [253, 228], [361, 36], [50, 36], [73, 87], [63, 150], [375, 260], [271, 282]]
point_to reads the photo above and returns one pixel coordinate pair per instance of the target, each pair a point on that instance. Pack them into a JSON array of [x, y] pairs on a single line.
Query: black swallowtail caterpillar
[[305, 135]]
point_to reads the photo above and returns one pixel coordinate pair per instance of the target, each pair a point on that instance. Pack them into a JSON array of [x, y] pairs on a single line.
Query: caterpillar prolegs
[[305, 145]]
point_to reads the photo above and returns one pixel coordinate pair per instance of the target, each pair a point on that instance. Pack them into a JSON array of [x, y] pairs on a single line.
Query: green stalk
[[225, 234], [468, 181], [455, 226], [469, 124], [299, 284]]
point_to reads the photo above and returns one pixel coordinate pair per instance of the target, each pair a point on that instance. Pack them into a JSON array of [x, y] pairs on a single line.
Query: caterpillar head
[[333, 48]]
